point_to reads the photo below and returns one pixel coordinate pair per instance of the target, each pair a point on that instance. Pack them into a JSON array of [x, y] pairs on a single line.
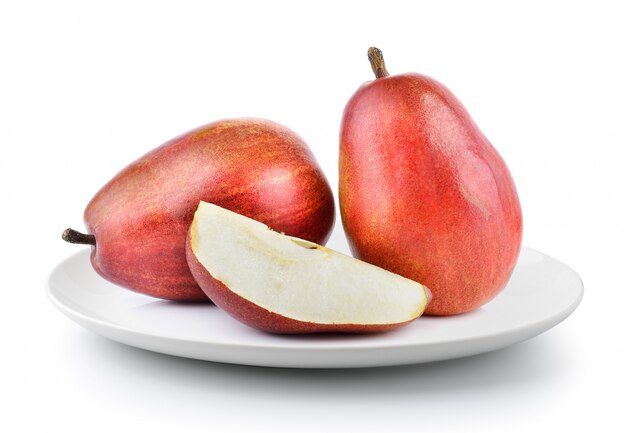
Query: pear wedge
[[282, 284]]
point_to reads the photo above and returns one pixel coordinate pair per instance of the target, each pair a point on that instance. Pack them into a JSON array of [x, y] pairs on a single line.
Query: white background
[[86, 87]]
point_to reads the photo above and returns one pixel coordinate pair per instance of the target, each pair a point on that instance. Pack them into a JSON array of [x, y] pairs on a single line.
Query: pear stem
[[74, 237], [375, 57]]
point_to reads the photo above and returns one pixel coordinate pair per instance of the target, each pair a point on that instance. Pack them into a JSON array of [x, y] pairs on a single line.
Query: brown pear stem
[[74, 237], [378, 63]]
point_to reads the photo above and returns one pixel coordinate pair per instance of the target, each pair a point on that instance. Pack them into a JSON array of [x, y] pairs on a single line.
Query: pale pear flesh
[[299, 279]]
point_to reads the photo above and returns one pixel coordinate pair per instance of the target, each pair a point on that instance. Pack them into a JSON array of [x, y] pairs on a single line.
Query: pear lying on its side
[[282, 284], [138, 221]]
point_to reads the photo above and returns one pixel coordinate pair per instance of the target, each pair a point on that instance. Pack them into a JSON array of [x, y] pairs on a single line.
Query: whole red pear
[[423, 193], [138, 221]]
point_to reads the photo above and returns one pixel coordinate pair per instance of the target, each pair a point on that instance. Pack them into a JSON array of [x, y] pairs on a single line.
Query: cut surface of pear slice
[[293, 278]]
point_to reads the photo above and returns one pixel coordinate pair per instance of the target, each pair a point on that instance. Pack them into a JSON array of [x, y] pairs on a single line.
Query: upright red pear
[[423, 193], [138, 221]]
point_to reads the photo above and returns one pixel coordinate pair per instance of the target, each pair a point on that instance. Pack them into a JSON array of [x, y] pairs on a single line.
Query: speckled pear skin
[[424, 194], [255, 167]]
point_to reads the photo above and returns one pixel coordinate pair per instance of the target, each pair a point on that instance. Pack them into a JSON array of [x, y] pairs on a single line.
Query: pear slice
[[281, 284]]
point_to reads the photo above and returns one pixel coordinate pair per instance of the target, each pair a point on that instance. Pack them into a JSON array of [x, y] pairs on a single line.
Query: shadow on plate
[[542, 359]]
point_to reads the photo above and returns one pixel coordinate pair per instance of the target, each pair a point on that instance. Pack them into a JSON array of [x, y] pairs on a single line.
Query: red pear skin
[[260, 318], [424, 194], [254, 167]]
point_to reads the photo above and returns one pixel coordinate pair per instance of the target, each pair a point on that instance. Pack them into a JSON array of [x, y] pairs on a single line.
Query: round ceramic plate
[[541, 293]]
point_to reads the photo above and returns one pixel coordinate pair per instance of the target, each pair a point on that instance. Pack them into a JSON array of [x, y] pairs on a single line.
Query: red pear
[[138, 221], [423, 193]]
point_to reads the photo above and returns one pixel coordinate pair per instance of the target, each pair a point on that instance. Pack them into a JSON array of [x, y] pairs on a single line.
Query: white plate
[[542, 292]]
